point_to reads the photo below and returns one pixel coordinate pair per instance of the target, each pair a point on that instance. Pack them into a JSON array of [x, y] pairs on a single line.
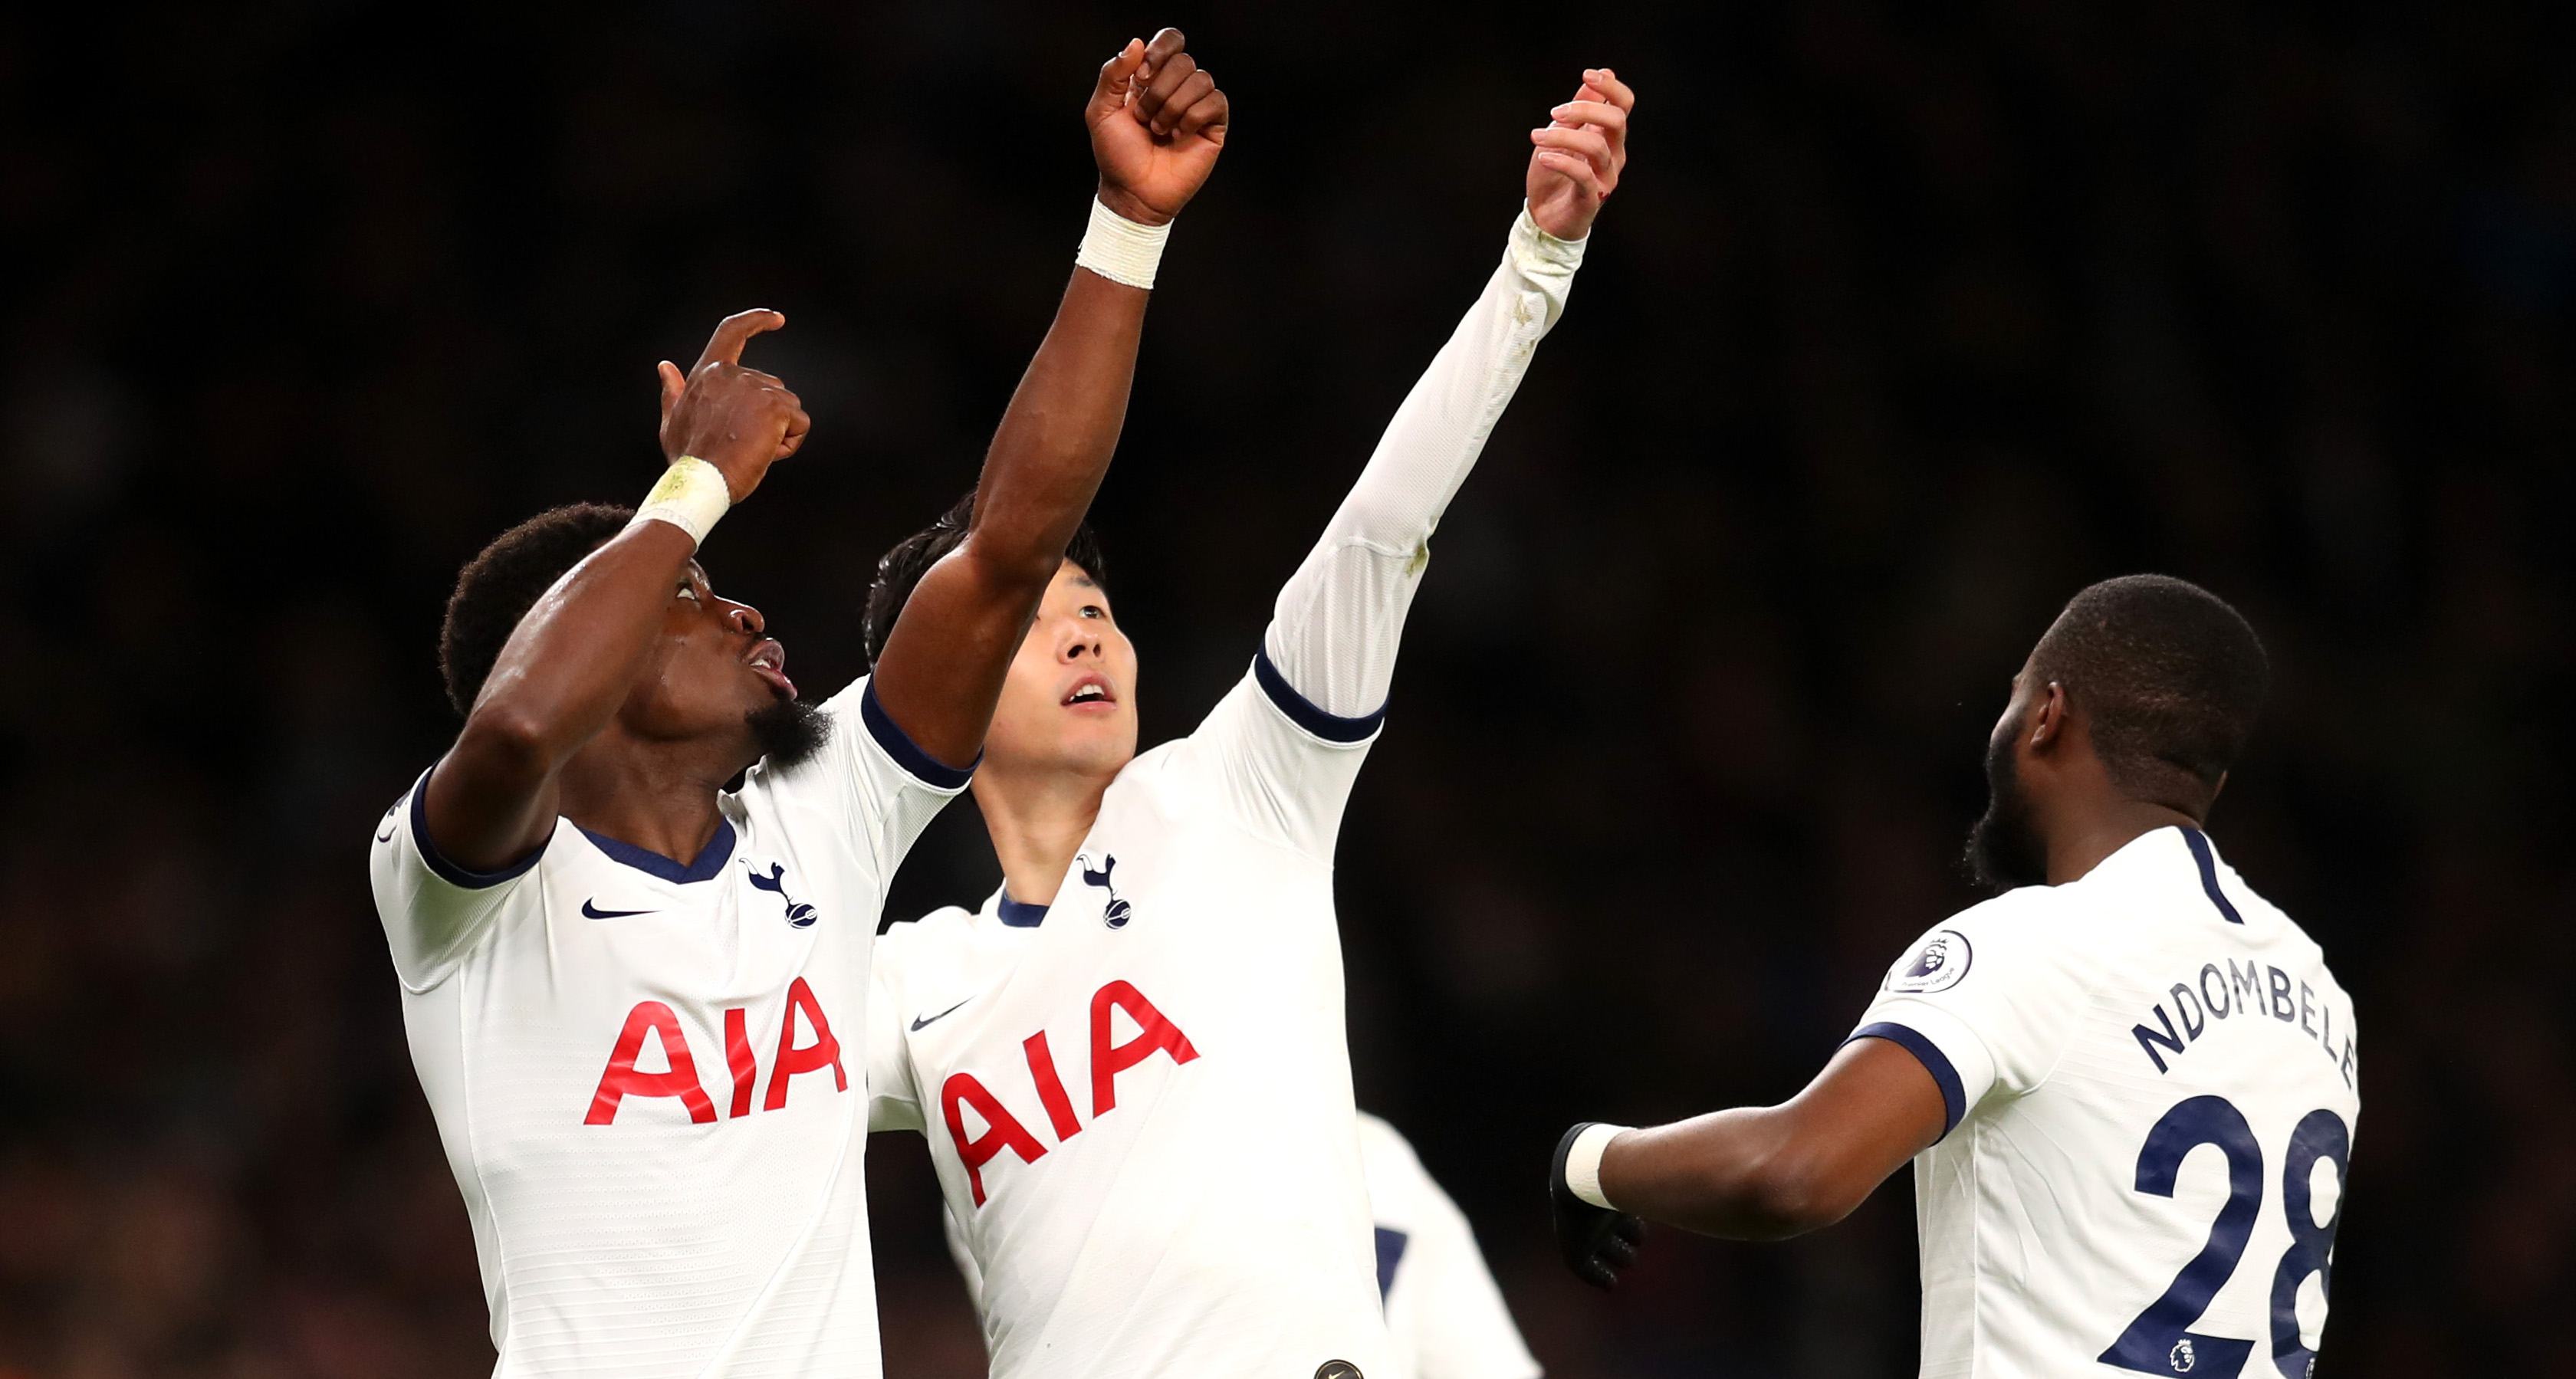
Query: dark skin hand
[[620, 699], [1772, 1172], [621, 662], [1157, 125]]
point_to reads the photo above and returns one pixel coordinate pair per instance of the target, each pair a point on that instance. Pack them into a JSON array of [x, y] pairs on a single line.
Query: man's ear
[[2048, 723]]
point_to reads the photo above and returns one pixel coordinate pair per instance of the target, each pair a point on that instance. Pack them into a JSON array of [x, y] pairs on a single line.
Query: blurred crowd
[[1903, 327]]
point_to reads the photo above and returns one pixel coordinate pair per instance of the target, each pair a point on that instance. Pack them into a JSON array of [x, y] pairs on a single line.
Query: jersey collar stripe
[[711, 858], [927, 769], [2209, 874], [1954, 1098], [448, 871], [1019, 914], [1303, 711]]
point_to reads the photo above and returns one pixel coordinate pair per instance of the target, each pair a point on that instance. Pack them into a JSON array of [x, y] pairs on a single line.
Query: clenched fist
[[1157, 125]]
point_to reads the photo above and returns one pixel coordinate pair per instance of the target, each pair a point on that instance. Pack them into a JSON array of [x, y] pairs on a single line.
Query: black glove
[[1596, 1241]]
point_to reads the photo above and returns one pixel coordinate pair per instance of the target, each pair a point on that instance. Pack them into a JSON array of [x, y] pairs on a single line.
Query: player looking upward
[[2127, 1083], [1444, 1314], [627, 988], [1131, 1062]]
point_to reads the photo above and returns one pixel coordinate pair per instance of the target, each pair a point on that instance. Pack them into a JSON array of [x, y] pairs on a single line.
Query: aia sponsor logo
[[654, 1022], [1155, 1033]]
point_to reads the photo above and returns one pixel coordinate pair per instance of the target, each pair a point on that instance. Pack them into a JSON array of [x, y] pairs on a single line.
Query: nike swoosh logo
[[920, 1020], [590, 910], [385, 837]]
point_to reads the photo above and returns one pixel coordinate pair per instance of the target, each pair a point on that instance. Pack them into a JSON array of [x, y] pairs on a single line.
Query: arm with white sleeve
[[1328, 657], [1333, 634]]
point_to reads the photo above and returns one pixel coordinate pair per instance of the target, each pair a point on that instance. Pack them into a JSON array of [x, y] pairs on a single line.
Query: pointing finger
[[732, 333]]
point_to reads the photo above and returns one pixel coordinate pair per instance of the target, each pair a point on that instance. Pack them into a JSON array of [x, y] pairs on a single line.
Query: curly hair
[[499, 586], [2170, 676], [902, 568]]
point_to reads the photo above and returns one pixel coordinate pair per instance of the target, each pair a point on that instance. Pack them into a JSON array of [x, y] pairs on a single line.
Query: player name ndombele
[[2128, 1084]]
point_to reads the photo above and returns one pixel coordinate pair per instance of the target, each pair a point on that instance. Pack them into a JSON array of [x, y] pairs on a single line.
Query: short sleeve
[[434, 911], [1278, 764], [1985, 1000], [870, 777], [894, 1101]]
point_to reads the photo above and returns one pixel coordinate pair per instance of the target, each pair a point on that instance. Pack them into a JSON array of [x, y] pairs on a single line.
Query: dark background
[[1905, 326]]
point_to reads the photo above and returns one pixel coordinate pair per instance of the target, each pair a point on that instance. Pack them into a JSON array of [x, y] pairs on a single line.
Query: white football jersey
[[648, 1076], [1443, 1311], [2152, 1089], [1138, 1099], [1442, 1308]]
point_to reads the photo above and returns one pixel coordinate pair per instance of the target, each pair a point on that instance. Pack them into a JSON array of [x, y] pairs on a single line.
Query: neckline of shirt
[[710, 860]]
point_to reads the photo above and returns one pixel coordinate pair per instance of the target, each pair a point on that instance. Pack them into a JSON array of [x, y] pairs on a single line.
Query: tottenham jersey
[[1138, 1099], [647, 1075], [2152, 1089], [1444, 1314]]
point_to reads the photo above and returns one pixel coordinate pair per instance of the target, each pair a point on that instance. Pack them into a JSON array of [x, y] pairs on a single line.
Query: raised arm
[[574, 658], [1157, 124], [1334, 633]]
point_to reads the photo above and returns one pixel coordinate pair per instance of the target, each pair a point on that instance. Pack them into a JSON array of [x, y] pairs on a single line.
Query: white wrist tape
[[1121, 250], [691, 496], [1583, 1163]]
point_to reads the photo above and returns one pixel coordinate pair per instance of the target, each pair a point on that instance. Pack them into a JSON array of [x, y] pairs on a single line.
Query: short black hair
[[2169, 677], [912, 557], [499, 586]]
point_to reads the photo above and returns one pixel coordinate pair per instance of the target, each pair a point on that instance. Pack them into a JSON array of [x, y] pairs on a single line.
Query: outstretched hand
[[739, 420], [1580, 154], [1157, 125]]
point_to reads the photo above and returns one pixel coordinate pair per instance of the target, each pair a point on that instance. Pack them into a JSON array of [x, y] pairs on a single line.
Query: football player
[[1130, 1062], [2128, 1083], [627, 987], [1445, 1315]]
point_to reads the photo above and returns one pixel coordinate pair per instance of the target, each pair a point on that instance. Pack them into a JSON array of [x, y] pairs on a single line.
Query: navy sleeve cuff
[[1303, 712], [922, 766], [1954, 1100], [448, 871]]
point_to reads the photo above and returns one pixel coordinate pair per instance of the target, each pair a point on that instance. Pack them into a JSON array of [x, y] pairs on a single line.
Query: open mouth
[[769, 661], [1088, 691]]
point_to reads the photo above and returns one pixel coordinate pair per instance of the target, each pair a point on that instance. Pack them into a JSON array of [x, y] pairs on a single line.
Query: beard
[[2004, 849], [789, 732]]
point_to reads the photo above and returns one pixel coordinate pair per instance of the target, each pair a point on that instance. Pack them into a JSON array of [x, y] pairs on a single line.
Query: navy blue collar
[[1019, 915], [711, 858]]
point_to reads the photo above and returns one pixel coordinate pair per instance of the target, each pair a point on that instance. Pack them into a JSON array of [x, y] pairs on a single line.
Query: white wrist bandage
[[691, 496], [1583, 1163], [1121, 250]]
